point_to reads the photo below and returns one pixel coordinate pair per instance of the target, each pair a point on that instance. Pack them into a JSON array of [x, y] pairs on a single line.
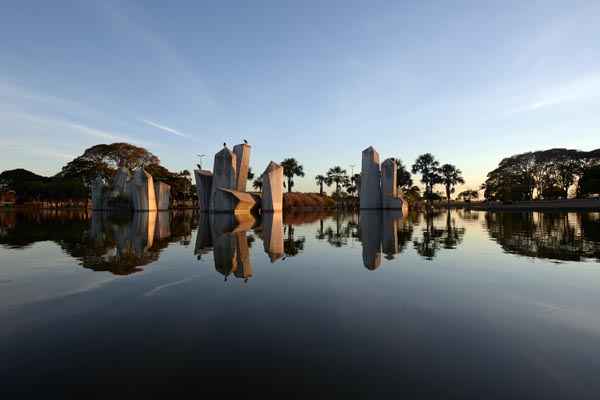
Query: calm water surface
[[450, 305]]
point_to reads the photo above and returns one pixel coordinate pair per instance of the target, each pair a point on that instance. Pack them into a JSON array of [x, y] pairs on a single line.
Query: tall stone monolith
[[272, 188], [162, 193], [143, 197], [204, 182], [242, 156], [370, 180], [224, 177], [98, 190]]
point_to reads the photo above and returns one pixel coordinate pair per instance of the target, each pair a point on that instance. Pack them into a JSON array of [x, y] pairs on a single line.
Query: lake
[[449, 305]]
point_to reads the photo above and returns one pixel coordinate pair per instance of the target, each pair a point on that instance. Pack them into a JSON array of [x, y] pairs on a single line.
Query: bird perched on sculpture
[[224, 144]]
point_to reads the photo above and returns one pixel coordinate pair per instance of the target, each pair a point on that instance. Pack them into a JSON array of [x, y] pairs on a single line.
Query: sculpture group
[[135, 191], [224, 189], [378, 184]]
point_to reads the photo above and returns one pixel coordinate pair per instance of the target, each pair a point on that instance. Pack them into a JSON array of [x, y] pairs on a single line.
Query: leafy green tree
[[338, 176], [428, 167], [450, 177], [321, 180], [291, 168]]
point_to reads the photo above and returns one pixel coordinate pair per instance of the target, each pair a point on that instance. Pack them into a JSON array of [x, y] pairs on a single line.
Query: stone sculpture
[[370, 180], [162, 193], [224, 177], [378, 188], [143, 196], [204, 181], [272, 188], [242, 156], [98, 189], [224, 190]]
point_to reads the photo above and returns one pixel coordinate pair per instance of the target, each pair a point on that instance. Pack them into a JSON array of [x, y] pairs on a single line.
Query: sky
[[470, 82]]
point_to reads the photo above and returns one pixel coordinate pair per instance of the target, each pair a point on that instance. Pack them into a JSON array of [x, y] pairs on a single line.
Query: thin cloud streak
[[579, 90], [164, 128]]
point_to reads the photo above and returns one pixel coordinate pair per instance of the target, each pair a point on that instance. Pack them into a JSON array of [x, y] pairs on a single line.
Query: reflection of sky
[[467, 311]]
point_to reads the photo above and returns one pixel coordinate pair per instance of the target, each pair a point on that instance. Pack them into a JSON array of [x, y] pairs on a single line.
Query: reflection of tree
[[434, 238], [291, 245], [557, 236], [338, 236], [116, 243]]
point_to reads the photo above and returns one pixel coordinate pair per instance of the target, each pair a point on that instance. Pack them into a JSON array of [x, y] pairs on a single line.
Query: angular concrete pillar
[[162, 192], [370, 180], [204, 182], [224, 177], [389, 190], [120, 182], [143, 196], [391, 219], [242, 156], [98, 191], [272, 188]]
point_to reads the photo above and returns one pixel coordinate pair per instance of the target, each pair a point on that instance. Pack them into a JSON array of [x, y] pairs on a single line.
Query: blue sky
[[470, 82]]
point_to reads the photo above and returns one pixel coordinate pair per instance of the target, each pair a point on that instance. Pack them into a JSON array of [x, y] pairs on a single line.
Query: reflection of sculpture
[[378, 188], [272, 235], [370, 235], [226, 236]]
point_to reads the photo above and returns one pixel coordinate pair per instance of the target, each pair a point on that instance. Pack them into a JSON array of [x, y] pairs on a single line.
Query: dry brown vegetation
[[307, 201]]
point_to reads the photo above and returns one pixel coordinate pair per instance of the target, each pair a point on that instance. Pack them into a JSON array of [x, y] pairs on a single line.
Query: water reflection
[[120, 244], [435, 237], [123, 245], [556, 236]]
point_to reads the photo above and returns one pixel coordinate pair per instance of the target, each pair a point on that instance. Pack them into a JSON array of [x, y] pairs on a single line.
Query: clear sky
[[320, 81]]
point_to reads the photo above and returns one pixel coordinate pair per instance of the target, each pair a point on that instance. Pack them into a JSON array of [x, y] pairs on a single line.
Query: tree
[[427, 166], [321, 180], [104, 159], [291, 168], [451, 176], [338, 176], [544, 173], [589, 183], [403, 177], [257, 184], [468, 195], [250, 174]]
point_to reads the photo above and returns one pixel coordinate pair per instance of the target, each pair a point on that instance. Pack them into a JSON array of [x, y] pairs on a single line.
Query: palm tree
[[451, 176], [338, 176], [257, 184], [403, 178], [427, 166], [321, 179], [291, 168]]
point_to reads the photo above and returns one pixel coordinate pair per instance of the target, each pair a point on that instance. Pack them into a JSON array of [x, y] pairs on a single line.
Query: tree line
[[73, 182], [348, 185], [547, 174]]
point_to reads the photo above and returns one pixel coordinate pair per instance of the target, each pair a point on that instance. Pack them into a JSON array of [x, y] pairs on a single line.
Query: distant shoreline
[[544, 205]]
